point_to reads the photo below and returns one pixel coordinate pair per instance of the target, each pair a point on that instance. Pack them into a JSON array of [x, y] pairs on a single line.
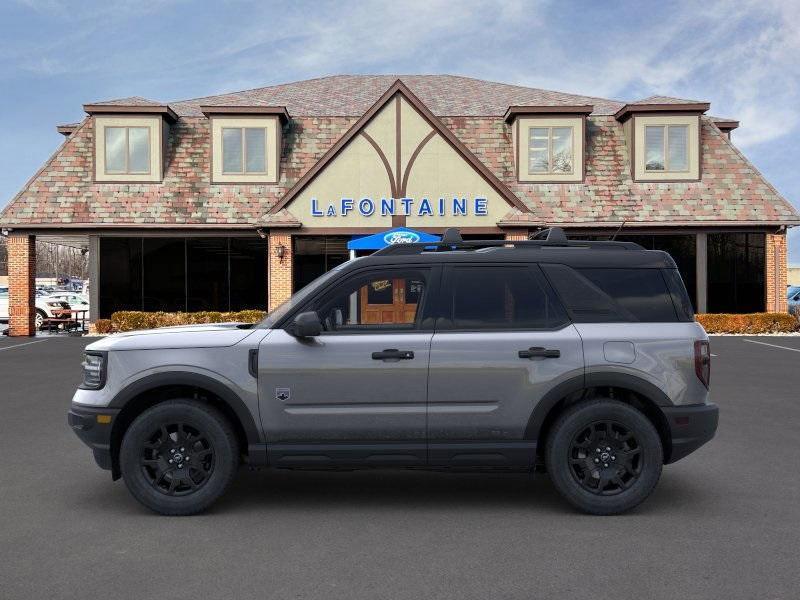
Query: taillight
[[702, 361]]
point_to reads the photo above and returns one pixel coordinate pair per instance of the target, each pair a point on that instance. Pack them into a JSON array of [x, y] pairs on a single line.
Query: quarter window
[[127, 150], [493, 297], [244, 150], [666, 147], [550, 150]]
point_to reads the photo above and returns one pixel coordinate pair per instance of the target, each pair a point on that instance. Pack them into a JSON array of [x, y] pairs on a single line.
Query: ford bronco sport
[[579, 358]]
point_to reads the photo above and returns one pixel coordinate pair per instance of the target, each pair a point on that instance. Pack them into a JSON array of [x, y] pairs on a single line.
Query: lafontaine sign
[[422, 207]]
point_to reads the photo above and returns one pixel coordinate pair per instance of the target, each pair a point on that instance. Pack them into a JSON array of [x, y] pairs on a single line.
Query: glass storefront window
[[180, 274], [735, 272]]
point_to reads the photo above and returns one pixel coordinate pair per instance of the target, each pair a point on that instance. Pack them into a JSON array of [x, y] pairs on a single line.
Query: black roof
[[550, 246]]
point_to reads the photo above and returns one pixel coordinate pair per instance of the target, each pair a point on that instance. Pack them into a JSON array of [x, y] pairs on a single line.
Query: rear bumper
[[95, 434], [690, 427]]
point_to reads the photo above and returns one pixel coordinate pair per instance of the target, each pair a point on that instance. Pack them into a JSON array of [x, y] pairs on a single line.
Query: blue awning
[[398, 235]]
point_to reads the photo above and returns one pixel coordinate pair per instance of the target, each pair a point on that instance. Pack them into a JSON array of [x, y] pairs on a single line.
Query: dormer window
[[127, 150], [244, 150], [550, 150], [245, 143], [548, 142], [666, 148]]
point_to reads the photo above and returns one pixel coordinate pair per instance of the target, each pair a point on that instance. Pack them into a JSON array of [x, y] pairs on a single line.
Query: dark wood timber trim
[[412, 158], [399, 87], [384, 160], [630, 109], [131, 109], [515, 111], [279, 111]]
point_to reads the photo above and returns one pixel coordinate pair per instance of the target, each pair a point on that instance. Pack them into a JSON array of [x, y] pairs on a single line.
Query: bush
[[103, 326], [751, 324], [131, 320]]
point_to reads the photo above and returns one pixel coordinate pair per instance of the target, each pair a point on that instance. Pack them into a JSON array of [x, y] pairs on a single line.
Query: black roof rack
[[552, 237]]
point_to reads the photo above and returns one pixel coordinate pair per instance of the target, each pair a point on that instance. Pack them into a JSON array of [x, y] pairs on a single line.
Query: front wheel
[[604, 456], [178, 457]]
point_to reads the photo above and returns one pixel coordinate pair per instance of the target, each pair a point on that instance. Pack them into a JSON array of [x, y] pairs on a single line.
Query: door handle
[[393, 354], [539, 352]]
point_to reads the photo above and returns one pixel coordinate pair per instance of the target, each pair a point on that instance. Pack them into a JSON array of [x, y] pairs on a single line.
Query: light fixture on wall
[[261, 233], [280, 252]]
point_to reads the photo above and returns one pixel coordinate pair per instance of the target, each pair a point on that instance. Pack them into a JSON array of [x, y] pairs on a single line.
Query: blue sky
[[56, 55]]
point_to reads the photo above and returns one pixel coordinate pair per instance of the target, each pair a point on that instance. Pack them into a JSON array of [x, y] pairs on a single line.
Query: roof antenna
[[621, 225]]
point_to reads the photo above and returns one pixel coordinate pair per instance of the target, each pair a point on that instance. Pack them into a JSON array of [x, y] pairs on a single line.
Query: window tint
[[642, 292], [585, 302], [390, 299], [492, 297]]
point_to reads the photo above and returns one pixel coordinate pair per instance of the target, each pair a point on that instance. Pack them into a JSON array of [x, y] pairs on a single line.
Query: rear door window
[[492, 297]]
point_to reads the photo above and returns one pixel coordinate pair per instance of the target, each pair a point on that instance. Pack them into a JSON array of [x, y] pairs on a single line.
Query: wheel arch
[[144, 393], [630, 389]]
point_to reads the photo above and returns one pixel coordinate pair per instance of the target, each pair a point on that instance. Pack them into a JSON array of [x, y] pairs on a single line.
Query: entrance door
[[356, 393], [390, 301], [501, 343]]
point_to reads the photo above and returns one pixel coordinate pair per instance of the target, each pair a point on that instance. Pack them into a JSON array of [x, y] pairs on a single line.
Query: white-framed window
[[550, 150], [127, 150], [666, 148], [244, 150]]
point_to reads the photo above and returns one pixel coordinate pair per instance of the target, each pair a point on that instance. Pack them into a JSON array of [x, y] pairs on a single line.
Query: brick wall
[[517, 234], [776, 273], [21, 284], [279, 283]]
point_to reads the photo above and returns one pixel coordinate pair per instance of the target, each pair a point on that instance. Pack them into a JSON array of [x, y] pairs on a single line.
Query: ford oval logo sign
[[401, 237]]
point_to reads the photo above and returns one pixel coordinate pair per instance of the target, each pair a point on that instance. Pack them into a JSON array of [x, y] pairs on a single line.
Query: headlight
[[53, 304], [94, 371]]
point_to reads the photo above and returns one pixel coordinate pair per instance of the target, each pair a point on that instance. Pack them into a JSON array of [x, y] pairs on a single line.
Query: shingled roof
[[731, 191]]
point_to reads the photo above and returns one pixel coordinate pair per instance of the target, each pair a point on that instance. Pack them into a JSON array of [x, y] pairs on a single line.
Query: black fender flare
[[219, 389], [591, 380]]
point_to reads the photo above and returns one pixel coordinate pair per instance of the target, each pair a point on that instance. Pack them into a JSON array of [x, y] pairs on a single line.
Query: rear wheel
[[604, 456], [178, 457]]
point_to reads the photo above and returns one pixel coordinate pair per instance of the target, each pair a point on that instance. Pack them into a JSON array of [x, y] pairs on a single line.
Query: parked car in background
[[793, 296], [47, 307], [76, 301]]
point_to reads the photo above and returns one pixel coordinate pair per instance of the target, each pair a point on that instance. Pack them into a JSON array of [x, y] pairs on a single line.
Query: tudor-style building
[[234, 201]]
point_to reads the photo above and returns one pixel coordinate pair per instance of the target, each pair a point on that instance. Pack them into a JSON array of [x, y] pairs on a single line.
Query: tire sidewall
[[205, 419], [560, 441]]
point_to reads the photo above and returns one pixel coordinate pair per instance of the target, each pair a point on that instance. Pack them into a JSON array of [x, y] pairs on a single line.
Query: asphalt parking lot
[[723, 523]]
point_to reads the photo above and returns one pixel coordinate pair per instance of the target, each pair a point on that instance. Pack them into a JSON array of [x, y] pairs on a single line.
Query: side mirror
[[305, 325]]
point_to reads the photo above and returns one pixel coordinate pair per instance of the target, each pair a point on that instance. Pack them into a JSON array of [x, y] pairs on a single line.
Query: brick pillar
[[775, 273], [517, 234], [279, 283], [21, 284]]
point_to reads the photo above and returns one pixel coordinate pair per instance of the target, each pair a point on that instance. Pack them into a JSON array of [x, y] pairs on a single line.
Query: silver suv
[[579, 358]]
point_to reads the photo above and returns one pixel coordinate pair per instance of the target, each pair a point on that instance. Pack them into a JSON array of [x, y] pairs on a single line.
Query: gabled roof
[[130, 101], [398, 87], [134, 105], [665, 100]]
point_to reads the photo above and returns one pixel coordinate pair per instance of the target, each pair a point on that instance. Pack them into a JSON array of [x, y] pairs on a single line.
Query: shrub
[[103, 326], [751, 324], [131, 320]]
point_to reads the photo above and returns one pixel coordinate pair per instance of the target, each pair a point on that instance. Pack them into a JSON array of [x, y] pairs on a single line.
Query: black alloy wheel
[[605, 458], [179, 456], [177, 459]]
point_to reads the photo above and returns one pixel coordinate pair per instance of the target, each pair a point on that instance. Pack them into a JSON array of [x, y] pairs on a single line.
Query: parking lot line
[[20, 345], [773, 345]]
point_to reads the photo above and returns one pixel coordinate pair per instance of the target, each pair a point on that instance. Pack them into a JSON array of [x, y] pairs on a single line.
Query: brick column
[[775, 273], [517, 234], [279, 284], [21, 284]]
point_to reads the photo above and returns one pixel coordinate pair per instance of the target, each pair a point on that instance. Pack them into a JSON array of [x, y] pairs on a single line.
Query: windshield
[[300, 296]]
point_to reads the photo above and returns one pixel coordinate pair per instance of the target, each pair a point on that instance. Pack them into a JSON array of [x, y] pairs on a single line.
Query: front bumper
[[93, 426], [690, 427]]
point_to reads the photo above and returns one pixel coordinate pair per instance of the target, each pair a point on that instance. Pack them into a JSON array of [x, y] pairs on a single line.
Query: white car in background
[[76, 300], [47, 307]]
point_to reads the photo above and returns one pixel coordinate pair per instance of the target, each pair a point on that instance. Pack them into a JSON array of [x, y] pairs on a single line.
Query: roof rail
[[552, 237]]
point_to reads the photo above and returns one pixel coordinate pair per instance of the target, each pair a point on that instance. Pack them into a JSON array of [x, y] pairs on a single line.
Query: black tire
[[603, 456], [189, 430]]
